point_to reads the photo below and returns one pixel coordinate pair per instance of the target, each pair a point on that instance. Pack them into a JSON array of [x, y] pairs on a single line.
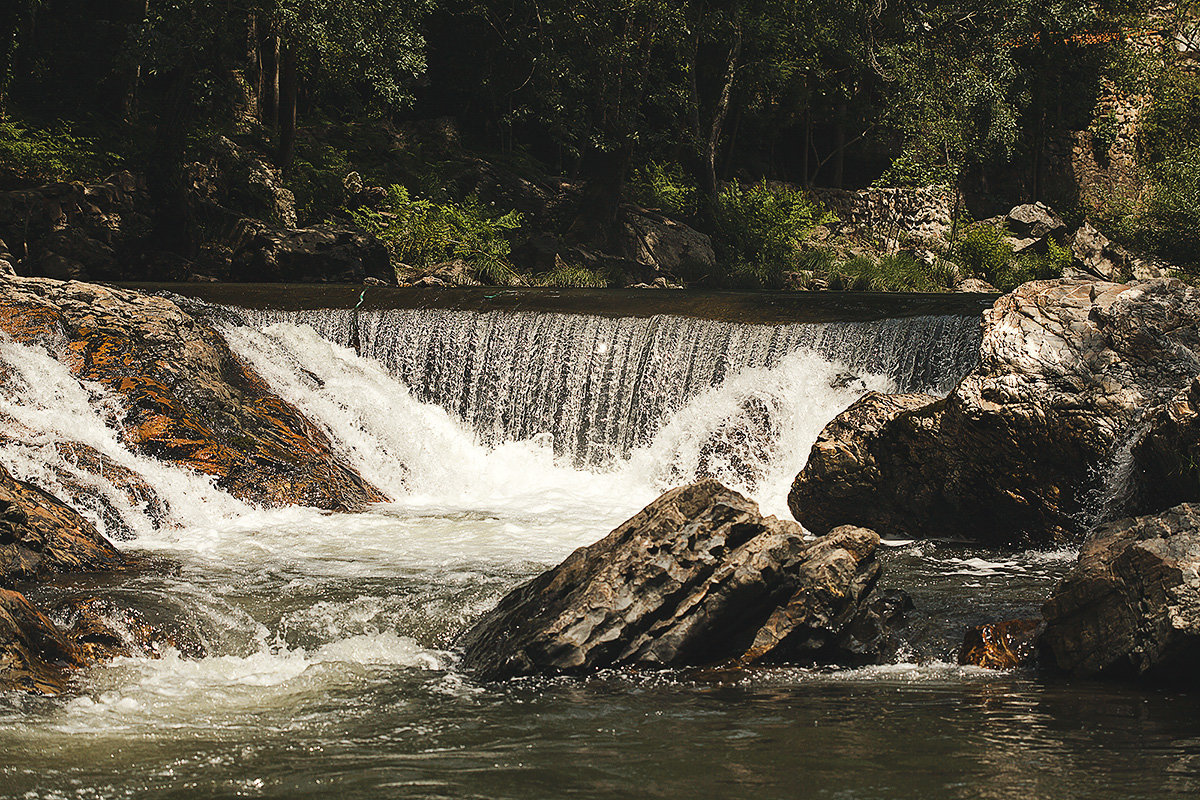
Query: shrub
[[1170, 220], [983, 253], [898, 272], [422, 233], [315, 178], [758, 229], [574, 276], [665, 187], [30, 155]]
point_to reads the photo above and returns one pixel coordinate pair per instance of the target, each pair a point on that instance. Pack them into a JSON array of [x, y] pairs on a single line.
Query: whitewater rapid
[[291, 602]]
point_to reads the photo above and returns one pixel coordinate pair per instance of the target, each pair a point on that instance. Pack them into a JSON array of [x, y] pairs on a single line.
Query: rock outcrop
[[1130, 608], [186, 398], [73, 230], [35, 656], [1020, 449], [40, 536], [697, 577], [320, 254]]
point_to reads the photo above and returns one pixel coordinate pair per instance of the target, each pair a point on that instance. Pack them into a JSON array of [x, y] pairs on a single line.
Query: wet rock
[[319, 254], [876, 440], [697, 577], [1130, 608], [35, 656], [1001, 645], [102, 629], [82, 462], [187, 398], [40, 536], [1021, 449]]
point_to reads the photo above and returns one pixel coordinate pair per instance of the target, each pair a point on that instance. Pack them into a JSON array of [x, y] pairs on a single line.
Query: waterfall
[[599, 387], [491, 409]]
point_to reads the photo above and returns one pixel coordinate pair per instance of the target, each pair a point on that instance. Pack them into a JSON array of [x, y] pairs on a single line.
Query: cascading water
[[602, 387], [506, 441]]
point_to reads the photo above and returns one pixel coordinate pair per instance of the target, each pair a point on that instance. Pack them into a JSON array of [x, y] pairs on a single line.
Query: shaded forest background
[[517, 137]]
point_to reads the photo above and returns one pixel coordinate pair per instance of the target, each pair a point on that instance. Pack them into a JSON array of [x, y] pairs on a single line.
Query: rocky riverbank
[[179, 396]]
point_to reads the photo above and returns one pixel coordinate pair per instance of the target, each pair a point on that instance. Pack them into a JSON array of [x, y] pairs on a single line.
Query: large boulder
[[697, 577], [186, 398], [666, 246], [1023, 449], [319, 254], [1130, 608], [1097, 257]]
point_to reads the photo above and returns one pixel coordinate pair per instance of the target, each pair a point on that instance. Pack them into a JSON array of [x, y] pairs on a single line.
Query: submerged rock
[[697, 577], [1130, 608], [1020, 450], [1001, 645], [35, 656], [186, 398]]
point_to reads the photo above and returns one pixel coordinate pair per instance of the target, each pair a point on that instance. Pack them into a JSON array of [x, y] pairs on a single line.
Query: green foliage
[[897, 272], [665, 187], [1034, 266], [1170, 221], [983, 252], [370, 49], [1104, 130], [758, 229], [1171, 125], [423, 233], [29, 155], [316, 179], [574, 276], [913, 168]]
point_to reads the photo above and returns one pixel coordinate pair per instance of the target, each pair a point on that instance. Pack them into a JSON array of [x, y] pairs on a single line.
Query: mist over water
[[505, 441]]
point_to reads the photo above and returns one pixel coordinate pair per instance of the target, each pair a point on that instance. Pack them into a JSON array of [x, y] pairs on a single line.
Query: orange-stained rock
[[40, 536], [79, 492], [35, 656], [188, 398], [1001, 645]]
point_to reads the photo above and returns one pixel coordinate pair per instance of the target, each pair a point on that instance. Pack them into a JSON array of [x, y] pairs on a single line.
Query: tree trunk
[[268, 74], [165, 179], [289, 86], [713, 142]]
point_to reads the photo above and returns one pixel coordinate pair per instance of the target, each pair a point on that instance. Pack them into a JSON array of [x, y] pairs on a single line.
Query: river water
[[506, 440]]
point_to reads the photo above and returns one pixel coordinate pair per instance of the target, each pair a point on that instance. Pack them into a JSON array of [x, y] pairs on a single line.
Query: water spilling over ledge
[[602, 386]]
